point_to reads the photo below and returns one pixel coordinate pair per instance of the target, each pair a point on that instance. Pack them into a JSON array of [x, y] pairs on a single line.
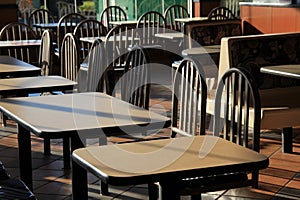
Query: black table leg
[[169, 190], [287, 140], [25, 160], [79, 175], [66, 152]]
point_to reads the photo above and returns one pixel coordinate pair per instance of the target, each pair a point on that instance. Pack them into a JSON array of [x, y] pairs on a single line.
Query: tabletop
[[53, 25], [211, 49], [292, 71], [91, 115], [12, 67], [189, 19], [160, 160], [36, 84], [171, 36], [19, 43], [127, 22]]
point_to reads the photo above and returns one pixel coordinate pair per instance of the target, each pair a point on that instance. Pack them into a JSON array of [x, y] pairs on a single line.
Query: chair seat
[[200, 185], [15, 189]]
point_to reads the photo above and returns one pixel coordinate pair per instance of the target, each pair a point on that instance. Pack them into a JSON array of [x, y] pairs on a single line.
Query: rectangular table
[[20, 43], [12, 67], [166, 161], [77, 115], [25, 85], [292, 70]]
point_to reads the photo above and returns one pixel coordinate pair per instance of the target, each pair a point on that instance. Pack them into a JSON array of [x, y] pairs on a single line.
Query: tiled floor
[[281, 180]]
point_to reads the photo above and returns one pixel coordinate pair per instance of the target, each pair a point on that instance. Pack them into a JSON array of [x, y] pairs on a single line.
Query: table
[[191, 19], [53, 25], [292, 71], [170, 36], [127, 22], [196, 51], [12, 67], [166, 161], [73, 115], [37, 84], [19, 43]]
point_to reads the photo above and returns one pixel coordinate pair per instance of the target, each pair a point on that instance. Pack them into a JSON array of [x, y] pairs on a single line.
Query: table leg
[[66, 152], [25, 160], [79, 175], [169, 190], [287, 140]]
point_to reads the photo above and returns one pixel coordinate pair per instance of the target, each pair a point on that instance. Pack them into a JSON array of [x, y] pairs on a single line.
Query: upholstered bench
[[279, 95]]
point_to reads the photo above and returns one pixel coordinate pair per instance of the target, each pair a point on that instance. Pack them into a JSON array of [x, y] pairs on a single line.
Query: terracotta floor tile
[[294, 184]]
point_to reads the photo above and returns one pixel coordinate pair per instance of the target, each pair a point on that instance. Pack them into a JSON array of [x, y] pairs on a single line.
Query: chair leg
[[153, 191], [47, 147], [287, 140], [196, 197], [104, 188], [3, 118]]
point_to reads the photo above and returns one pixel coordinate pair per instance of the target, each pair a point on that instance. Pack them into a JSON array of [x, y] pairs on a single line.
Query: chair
[[96, 75], [19, 31], [112, 13], [40, 16], [148, 25], [67, 24], [221, 13], [189, 99], [46, 52], [70, 57], [174, 12], [117, 42], [236, 96], [88, 28], [64, 8]]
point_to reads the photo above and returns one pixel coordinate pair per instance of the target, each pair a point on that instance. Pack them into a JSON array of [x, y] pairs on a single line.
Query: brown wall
[[201, 8], [268, 19], [8, 13]]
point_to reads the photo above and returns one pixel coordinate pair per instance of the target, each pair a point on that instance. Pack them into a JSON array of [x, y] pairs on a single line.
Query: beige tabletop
[[26, 85], [211, 49], [127, 22], [171, 36], [190, 19], [12, 67], [87, 115], [20, 43], [292, 71], [157, 160]]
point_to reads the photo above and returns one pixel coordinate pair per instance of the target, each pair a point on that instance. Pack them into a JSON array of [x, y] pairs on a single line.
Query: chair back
[[174, 12], [135, 82], [112, 13], [236, 97], [148, 25], [67, 24], [189, 99], [64, 8], [46, 52], [96, 79], [88, 28], [221, 13], [40, 16], [70, 57], [19, 31]]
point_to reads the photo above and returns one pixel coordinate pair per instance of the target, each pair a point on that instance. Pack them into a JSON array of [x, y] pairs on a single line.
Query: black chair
[[175, 12], [67, 24], [237, 95], [88, 28], [112, 13], [13, 188], [148, 25], [96, 75], [221, 13], [189, 99], [46, 52], [117, 42], [19, 31], [40, 16]]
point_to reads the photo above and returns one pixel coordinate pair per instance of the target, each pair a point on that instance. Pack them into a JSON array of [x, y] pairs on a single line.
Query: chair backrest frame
[[189, 99], [112, 13], [174, 12], [46, 52], [221, 13], [40, 16]]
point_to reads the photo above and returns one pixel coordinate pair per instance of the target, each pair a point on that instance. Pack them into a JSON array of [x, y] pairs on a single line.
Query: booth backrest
[[255, 51], [210, 32]]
